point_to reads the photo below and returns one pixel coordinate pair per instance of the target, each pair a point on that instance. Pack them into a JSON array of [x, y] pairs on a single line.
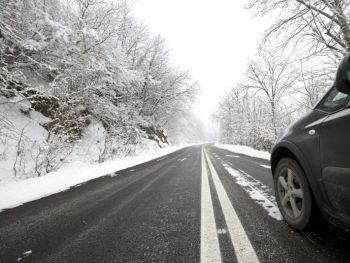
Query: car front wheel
[[293, 194]]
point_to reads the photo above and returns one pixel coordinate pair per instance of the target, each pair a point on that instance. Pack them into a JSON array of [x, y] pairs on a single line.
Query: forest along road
[[199, 204]]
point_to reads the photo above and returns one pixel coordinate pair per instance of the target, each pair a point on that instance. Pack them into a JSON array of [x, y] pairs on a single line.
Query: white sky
[[211, 38]]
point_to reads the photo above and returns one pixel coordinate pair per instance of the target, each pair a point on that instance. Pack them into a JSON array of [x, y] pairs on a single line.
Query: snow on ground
[[16, 192], [256, 190], [27, 154], [18, 133], [24, 255], [244, 150]]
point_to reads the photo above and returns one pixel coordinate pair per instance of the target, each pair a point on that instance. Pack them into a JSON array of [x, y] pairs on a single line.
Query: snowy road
[[199, 204]]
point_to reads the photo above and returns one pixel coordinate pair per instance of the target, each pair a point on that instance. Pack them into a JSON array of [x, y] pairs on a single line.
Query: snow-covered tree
[[78, 62]]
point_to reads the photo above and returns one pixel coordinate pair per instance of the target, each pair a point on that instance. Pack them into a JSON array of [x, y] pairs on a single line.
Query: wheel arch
[[287, 149], [280, 153]]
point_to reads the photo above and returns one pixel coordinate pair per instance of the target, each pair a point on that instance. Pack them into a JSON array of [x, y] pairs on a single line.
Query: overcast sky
[[213, 39]]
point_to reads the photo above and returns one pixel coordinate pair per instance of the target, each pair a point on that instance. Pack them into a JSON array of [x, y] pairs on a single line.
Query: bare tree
[[242, 115], [273, 76], [316, 25], [314, 82]]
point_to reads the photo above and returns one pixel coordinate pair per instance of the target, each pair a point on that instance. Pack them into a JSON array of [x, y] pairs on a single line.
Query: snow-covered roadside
[[244, 150], [17, 192]]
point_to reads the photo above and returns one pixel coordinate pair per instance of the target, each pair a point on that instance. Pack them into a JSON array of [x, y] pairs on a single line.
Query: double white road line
[[210, 248]]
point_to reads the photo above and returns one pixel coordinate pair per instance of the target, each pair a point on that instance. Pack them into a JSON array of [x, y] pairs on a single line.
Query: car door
[[335, 150]]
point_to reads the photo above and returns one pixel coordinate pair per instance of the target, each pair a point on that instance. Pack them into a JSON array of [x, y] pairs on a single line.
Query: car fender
[[316, 185]]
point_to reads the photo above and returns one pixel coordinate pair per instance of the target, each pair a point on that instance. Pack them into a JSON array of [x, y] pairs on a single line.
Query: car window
[[333, 101]]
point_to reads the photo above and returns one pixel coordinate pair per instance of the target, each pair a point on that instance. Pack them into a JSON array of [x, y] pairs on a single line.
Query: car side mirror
[[342, 79]]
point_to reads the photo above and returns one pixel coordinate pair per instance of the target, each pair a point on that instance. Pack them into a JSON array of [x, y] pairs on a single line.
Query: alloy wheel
[[290, 193]]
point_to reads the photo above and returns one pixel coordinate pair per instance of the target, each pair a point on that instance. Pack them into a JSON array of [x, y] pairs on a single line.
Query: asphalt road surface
[[199, 204]]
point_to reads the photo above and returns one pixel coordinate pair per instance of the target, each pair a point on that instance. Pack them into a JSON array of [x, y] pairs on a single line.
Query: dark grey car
[[311, 160]]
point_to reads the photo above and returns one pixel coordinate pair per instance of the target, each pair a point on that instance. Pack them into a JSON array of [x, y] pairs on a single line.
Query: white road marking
[[210, 249], [181, 160], [244, 250], [162, 158], [247, 159], [233, 156]]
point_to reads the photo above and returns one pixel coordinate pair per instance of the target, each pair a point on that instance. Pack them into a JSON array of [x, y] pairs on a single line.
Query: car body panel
[[335, 159], [307, 150]]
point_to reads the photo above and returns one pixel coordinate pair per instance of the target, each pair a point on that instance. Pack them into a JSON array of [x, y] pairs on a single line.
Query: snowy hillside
[[26, 150], [85, 83]]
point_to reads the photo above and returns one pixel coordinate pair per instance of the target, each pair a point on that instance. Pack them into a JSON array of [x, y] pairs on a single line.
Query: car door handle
[[312, 132]]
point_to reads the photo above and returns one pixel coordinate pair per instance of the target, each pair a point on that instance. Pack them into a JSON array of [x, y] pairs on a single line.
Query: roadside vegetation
[[294, 65], [83, 79]]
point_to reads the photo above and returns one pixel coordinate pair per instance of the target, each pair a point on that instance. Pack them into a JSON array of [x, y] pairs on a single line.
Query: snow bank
[[21, 136], [16, 192], [244, 150]]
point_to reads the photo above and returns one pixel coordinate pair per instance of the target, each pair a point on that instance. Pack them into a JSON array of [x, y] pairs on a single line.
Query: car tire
[[293, 194]]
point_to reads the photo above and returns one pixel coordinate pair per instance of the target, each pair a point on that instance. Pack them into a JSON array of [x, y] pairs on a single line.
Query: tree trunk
[[344, 25]]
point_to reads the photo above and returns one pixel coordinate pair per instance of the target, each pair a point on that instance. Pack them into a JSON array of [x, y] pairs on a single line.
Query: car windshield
[[333, 101]]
